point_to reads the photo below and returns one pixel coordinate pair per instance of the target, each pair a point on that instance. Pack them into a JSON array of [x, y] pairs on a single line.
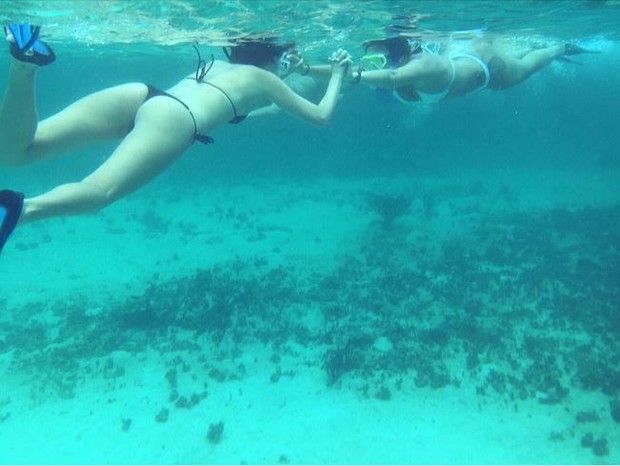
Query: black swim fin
[[11, 206], [574, 49], [26, 45], [568, 60]]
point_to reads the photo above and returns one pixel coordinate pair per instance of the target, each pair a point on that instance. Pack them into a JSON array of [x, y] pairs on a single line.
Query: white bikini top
[[431, 98]]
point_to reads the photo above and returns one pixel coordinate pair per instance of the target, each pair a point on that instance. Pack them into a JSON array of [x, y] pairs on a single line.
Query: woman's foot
[[25, 45], [11, 206]]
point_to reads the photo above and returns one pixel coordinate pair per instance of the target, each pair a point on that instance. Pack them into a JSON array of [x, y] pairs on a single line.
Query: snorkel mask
[[373, 61]]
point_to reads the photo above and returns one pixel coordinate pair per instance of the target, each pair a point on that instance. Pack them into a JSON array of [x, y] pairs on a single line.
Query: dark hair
[[257, 52], [397, 48]]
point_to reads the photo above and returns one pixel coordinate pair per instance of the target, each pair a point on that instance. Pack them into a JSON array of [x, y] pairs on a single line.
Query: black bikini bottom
[[154, 92]]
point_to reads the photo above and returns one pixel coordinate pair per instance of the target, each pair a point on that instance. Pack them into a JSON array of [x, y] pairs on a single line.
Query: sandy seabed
[[452, 319]]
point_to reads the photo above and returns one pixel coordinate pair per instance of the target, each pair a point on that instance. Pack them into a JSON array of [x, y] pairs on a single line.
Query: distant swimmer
[[428, 72]]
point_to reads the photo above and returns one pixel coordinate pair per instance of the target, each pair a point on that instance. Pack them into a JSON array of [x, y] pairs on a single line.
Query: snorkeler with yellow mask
[[416, 71]]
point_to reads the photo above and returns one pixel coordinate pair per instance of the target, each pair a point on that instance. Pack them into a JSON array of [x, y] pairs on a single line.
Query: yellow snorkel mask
[[373, 61]]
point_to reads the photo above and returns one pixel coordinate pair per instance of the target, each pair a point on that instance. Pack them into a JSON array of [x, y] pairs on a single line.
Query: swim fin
[[574, 49], [26, 45], [568, 60], [11, 206]]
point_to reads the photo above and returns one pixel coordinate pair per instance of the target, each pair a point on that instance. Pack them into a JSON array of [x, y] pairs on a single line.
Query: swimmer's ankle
[[22, 67]]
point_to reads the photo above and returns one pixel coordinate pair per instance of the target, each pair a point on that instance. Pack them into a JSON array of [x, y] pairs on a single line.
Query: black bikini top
[[201, 72]]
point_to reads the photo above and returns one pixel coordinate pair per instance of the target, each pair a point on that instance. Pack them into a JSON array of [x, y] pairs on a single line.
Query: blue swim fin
[[11, 206], [26, 45]]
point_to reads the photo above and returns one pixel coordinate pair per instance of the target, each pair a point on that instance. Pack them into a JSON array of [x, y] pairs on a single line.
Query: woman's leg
[[163, 131], [18, 115], [509, 67], [519, 69], [104, 115]]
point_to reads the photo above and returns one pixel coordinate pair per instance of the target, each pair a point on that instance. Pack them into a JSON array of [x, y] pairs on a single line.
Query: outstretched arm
[[320, 114], [305, 86], [315, 71], [414, 73], [425, 72], [377, 78]]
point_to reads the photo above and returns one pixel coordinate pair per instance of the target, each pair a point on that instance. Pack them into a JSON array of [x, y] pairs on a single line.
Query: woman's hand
[[340, 60]]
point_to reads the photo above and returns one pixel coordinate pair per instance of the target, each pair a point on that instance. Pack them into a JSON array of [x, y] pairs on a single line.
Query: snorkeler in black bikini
[[201, 72], [136, 114]]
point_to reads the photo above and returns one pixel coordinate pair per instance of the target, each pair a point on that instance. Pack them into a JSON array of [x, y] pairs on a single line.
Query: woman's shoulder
[[242, 71]]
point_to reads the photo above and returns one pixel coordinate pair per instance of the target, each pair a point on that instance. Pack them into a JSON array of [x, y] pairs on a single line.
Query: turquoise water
[[407, 285]]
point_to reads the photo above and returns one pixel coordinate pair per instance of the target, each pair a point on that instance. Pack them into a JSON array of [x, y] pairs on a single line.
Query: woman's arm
[[315, 71], [300, 66], [419, 73], [379, 78], [320, 114], [305, 86]]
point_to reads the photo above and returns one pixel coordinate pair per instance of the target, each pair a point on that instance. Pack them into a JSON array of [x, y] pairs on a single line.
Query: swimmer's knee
[[107, 198], [100, 196]]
